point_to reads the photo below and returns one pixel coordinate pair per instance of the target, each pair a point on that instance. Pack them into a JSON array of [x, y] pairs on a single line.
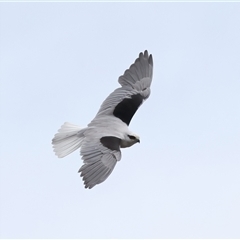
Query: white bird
[[101, 140]]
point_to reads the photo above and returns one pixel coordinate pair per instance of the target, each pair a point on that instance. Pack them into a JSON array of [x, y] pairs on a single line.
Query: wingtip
[[142, 55], [88, 186], [146, 55], [150, 60]]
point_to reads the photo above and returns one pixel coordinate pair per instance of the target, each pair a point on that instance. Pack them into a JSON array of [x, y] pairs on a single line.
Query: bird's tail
[[68, 139]]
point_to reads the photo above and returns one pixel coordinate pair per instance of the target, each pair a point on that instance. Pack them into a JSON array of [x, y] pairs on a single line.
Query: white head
[[129, 140]]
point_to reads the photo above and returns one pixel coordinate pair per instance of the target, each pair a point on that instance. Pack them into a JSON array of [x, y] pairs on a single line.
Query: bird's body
[[101, 140]]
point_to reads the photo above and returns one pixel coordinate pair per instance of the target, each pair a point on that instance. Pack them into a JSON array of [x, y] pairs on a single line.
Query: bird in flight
[[101, 140]]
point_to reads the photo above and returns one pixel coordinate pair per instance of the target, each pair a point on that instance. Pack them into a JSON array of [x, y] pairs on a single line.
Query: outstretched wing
[[136, 82], [100, 158]]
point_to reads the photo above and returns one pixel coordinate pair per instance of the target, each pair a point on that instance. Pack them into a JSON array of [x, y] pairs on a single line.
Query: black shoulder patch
[[110, 142], [127, 108]]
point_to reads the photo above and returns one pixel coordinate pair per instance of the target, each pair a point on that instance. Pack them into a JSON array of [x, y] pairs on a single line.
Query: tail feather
[[68, 139]]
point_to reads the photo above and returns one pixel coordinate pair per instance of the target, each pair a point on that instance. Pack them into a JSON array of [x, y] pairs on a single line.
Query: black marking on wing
[[127, 108], [110, 142]]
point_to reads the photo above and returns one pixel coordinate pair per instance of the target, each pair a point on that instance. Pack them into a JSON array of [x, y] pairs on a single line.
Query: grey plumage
[[101, 140]]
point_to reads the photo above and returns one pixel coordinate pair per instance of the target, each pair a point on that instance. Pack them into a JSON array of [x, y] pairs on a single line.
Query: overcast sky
[[59, 61]]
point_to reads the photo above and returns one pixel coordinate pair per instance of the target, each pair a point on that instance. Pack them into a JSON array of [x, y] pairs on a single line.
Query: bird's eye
[[131, 137]]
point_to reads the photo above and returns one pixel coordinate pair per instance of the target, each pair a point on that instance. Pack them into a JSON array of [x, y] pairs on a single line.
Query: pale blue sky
[[58, 63]]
